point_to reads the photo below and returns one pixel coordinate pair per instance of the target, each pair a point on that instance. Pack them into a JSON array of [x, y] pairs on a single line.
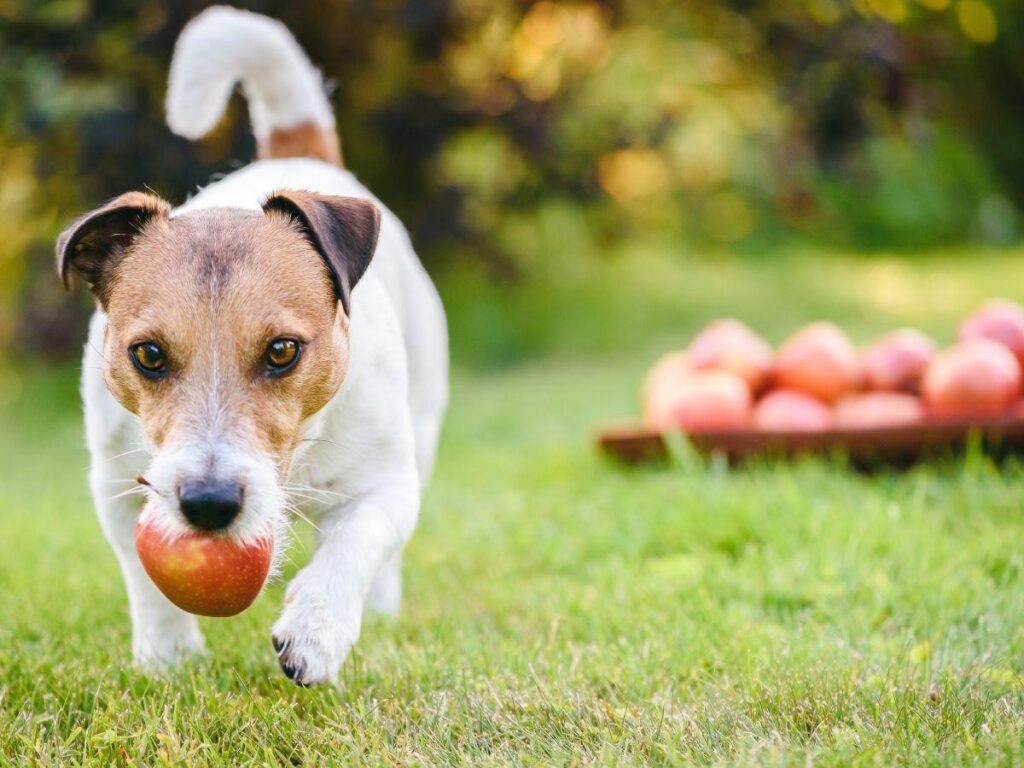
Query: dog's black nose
[[210, 505]]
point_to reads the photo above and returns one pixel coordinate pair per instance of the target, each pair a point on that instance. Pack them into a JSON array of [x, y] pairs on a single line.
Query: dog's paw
[[312, 638]]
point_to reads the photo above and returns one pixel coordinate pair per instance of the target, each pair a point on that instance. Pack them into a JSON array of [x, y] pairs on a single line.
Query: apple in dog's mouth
[[203, 573]]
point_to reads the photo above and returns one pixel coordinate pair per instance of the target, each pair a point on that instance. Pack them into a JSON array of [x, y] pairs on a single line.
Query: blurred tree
[[522, 136]]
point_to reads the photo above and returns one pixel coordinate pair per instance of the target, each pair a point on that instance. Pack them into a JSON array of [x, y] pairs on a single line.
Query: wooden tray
[[892, 446]]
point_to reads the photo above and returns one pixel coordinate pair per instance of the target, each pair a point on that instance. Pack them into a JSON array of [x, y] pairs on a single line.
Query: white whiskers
[[139, 490]]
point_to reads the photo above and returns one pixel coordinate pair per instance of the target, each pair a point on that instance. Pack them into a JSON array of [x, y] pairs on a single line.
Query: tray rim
[[633, 442]]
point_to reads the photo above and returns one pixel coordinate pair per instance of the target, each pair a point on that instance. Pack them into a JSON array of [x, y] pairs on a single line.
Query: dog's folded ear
[[343, 230], [94, 243]]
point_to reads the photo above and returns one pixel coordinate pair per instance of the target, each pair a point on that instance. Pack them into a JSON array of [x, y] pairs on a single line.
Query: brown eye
[[282, 354], [149, 359]]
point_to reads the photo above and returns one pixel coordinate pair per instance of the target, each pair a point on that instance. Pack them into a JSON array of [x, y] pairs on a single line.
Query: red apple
[[787, 410], [729, 345], [703, 401], [818, 360], [661, 381], [203, 573], [668, 368], [898, 360], [1017, 409], [1000, 320], [879, 409], [978, 377]]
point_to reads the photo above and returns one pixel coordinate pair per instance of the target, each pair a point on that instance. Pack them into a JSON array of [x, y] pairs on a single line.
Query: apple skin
[[818, 360], [702, 401], [975, 378], [787, 410], [730, 345], [898, 360], [1017, 409], [869, 410], [203, 573], [662, 379], [1000, 320]]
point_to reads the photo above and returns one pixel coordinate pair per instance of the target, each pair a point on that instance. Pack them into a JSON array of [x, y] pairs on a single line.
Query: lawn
[[562, 610]]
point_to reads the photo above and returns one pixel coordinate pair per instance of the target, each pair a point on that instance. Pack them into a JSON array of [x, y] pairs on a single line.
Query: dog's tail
[[222, 46]]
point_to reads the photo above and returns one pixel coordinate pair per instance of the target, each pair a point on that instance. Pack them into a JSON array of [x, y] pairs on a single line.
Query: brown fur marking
[[213, 288], [304, 140]]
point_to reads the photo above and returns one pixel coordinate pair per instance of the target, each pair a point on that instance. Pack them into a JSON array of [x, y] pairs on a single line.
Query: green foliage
[[522, 140], [951, 186]]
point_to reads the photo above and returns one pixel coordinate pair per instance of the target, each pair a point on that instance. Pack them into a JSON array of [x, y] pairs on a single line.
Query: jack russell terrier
[[271, 346]]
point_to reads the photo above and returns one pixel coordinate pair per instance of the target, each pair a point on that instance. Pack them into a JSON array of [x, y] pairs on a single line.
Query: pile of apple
[[731, 378]]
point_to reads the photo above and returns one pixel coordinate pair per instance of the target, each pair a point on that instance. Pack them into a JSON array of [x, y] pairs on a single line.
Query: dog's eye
[[149, 359], [282, 354]]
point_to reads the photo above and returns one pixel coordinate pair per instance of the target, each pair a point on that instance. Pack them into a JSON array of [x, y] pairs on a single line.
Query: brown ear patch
[[93, 244], [343, 230]]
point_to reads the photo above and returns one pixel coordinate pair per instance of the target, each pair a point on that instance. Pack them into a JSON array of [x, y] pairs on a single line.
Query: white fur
[[224, 46], [360, 479]]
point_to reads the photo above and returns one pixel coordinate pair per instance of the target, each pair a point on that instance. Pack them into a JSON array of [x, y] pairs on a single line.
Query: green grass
[[561, 610]]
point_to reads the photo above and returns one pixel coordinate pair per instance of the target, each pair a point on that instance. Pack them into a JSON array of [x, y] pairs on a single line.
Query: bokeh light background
[[540, 153]]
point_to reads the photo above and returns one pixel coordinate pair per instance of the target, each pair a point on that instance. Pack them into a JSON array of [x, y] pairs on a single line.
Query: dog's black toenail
[[278, 644], [293, 671]]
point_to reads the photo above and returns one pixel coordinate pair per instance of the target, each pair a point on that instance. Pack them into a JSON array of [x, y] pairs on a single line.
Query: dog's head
[[226, 330]]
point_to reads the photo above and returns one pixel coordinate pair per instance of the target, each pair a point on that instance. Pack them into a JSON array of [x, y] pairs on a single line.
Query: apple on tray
[[977, 378], [203, 573], [1000, 320], [898, 360], [818, 360], [872, 410], [701, 401], [730, 345], [787, 410]]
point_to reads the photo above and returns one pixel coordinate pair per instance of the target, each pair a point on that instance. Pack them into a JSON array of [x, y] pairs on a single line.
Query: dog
[[272, 346]]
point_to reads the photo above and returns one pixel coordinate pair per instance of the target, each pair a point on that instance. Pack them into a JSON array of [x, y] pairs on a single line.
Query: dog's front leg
[[323, 605], [161, 632]]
